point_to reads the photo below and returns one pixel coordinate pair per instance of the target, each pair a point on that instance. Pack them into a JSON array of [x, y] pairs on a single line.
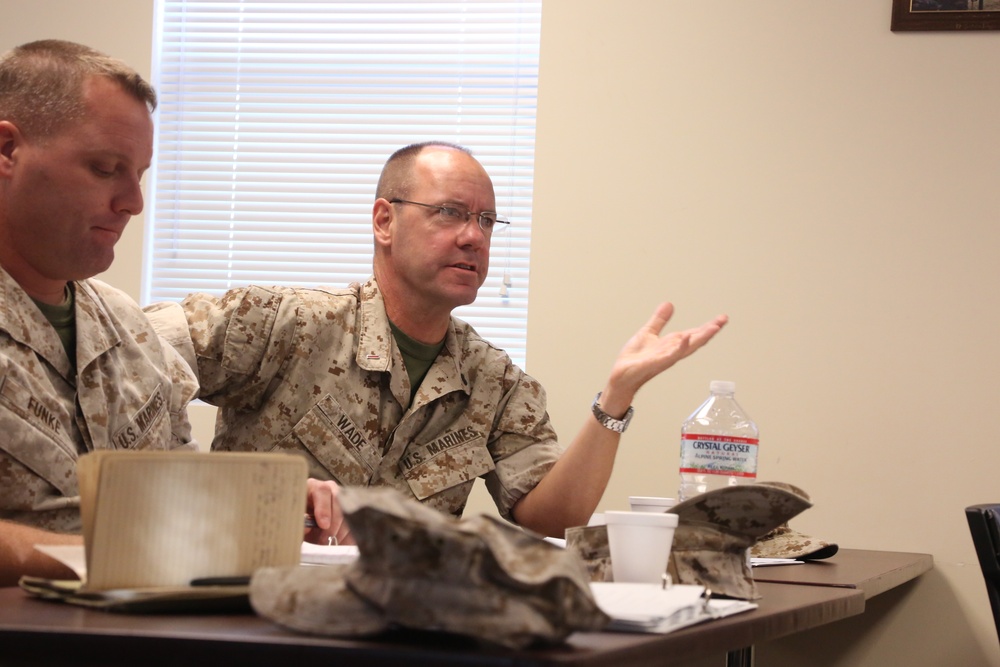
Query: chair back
[[984, 524]]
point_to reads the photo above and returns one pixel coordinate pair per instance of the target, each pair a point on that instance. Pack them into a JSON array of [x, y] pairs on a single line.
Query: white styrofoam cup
[[640, 544]]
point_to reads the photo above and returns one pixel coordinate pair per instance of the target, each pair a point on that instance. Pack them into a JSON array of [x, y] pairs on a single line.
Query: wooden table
[[795, 598], [35, 632], [871, 572]]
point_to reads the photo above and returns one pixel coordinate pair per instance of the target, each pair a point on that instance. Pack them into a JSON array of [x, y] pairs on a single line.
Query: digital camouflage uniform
[[316, 372], [130, 392]]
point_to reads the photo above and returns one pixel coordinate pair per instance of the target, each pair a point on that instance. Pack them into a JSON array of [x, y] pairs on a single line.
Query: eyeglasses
[[486, 219]]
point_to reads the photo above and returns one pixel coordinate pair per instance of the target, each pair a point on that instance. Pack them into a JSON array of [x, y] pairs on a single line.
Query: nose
[[471, 234], [129, 199]]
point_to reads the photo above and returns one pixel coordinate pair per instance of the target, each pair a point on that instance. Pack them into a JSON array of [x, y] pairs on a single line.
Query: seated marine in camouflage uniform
[[80, 365], [378, 384]]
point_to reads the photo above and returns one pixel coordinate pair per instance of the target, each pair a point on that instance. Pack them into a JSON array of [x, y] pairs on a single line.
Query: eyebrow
[[466, 207], [118, 156]]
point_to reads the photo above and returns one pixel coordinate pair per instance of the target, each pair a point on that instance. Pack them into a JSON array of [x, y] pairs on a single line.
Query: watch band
[[609, 422]]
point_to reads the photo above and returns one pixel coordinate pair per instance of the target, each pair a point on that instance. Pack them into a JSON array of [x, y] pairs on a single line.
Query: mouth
[[111, 232], [465, 267]]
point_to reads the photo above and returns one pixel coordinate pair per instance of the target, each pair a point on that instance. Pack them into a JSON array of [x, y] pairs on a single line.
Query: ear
[[383, 215], [10, 140]]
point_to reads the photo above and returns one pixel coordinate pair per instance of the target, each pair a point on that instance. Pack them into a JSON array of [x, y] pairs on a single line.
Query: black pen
[[221, 581], [310, 522]]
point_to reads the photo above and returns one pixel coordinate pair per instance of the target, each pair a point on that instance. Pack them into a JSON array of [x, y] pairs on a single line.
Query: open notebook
[[160, 527]]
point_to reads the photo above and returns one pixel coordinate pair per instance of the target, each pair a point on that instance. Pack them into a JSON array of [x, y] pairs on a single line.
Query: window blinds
[[275, 119]]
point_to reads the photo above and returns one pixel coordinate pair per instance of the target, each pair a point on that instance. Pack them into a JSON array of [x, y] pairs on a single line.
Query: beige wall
[[828, 184]]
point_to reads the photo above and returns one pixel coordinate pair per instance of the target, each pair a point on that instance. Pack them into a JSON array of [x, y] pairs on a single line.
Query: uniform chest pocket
[[37, 433], [336, 442], [429, 472]]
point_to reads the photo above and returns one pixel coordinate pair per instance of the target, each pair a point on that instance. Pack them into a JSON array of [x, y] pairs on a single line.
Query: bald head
[[399, 177]]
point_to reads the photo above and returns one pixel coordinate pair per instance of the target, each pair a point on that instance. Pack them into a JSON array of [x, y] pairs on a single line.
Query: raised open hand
[[647, 353]]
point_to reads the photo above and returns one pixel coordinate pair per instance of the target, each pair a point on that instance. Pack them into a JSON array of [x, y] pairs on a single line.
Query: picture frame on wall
[[945, 15]]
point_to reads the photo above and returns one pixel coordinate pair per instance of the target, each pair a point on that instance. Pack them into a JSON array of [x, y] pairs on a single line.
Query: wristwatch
[[609, 422]]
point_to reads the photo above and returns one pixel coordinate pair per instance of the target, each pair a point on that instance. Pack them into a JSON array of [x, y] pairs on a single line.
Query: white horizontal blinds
[[275, 119]]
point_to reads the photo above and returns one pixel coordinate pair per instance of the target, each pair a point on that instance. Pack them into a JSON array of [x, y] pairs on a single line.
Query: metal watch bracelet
[[609, 422]]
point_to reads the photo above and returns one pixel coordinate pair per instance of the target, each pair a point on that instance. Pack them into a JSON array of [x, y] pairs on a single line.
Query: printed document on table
[[653, 608], [321, 554]]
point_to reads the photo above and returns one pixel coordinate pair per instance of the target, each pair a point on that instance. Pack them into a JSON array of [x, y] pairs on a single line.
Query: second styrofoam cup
[[640, 545], [650, 503]]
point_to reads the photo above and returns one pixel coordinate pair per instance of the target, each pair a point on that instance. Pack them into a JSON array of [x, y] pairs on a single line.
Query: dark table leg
[[741, 657]]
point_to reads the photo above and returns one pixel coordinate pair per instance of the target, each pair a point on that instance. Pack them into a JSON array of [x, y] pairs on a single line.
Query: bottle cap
[[722, 387]]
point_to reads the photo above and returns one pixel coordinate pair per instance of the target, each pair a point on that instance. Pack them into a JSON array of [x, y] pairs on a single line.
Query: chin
[[464, 299], [91, 270]]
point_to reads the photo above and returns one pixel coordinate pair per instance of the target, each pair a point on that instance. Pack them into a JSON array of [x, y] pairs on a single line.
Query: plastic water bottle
[[718, 444]]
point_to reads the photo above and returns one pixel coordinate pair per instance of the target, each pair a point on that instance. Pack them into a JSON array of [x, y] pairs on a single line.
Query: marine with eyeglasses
[[378, 384]]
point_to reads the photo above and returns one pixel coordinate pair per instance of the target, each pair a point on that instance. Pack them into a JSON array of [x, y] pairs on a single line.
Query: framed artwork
[[945, 15]]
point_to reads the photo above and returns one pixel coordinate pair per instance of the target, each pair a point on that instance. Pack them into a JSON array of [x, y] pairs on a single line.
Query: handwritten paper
[[166, 518]]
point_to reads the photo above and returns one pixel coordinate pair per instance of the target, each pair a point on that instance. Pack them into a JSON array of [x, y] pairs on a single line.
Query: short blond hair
[[41, 84]]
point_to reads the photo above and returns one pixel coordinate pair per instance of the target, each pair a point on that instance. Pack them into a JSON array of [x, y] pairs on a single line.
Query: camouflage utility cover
[[784, 542], [129, 391], [591, 544], [316, 372], [420, 569], [717, 528]]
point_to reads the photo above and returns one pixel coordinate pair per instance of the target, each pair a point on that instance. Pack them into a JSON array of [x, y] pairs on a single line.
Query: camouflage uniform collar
[[25, 323], [93, 317], [21, 319], [375, 336], [375, 348]]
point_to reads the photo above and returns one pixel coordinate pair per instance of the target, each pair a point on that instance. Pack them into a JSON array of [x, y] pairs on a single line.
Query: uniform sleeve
[[170, 323], [184, 388], [523, 442], [236, 343]]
